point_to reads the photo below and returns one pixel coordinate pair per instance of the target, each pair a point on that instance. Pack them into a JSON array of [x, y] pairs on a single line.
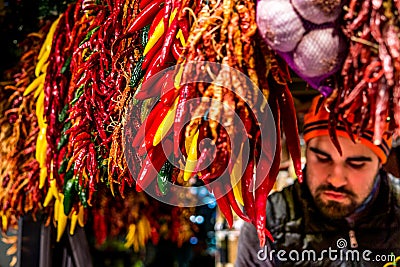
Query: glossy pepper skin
[[225, 183], [144, 3], [265, 178], [153, 118], [144, 18], [137, 73], [155, 159], [247, 190], [147, 59], [181, 114], [163, 177], [152, 88], [289, 124], [150, 133], [176, 49], [69, 191], [82, 193], [170, 36], [223, 192], [222, 202]]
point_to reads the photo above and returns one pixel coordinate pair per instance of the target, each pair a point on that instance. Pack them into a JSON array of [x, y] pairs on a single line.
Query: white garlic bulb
[[279, 24], [318, 11], [319, 52]]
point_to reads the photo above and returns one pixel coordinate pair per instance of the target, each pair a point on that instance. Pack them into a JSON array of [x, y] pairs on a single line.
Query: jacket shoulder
[[284, 206], [394, 185], [394, 182]]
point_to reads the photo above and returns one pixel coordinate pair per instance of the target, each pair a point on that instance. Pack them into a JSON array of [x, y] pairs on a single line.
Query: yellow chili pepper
[[41, 150], [180, 36], [49, 38], [178, 77], [166, 124], [41, 66], [39, 89], [4, 222], [56, 209], [34, 85], [45, 49], [130, 237], [191, 160], [40, 110], [235, 177], [48, 198], [81, 216], [158, 33], [42, 177], [189, 139], [53, 187], [62, 218], [41, 146], [74, 220]]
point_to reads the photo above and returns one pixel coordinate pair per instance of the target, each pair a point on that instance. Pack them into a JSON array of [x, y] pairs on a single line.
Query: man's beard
[[333, 209]]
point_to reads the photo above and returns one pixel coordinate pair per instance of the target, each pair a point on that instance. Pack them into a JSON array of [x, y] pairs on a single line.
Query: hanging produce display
[[20, 170], [225, 33], [71, 130], [89, 122], [368, 95]]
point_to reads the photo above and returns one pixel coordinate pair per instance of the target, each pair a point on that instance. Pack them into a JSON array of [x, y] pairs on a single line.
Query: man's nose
[[337, 176]]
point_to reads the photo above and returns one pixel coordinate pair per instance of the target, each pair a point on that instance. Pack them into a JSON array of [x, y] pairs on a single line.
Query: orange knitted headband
[[316, 124]]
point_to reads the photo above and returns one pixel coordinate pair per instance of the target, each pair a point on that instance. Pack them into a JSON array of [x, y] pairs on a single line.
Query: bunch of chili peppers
[[19, 170], [221, 32], [80, 83], [82, 116], [368, 94]]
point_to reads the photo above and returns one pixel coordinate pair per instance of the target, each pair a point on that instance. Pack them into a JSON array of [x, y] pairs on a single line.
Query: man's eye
[[323, 159], [356, 165]]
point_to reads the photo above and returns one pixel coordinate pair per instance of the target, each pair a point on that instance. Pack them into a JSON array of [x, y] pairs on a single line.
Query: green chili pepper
[[145, 35], [163, 177], [89, 34], [83, 197], [137, 73], [65, 67], [66, 126], [63, 114], [64, 137], [63, 166], [102, 166], [70, 173], [63, 141], [69, 191], [78, 94], [82, 193], [67, 176]]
